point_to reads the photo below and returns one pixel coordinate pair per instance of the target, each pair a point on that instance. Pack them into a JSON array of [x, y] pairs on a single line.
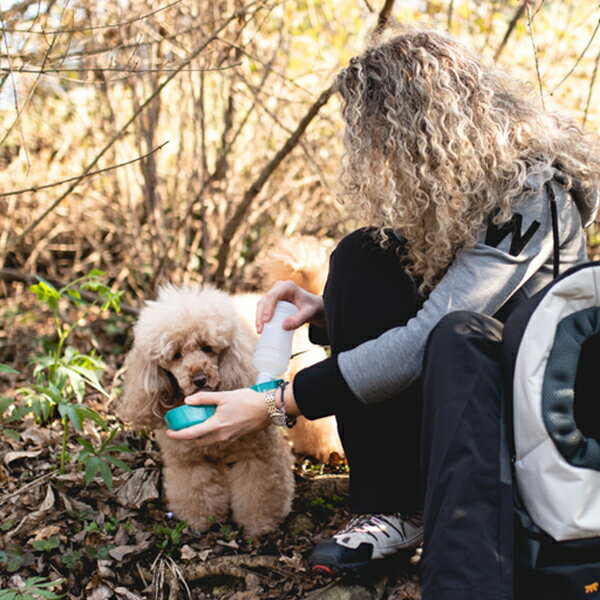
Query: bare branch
[[19, 109], [572, 69], [511, 26], [233, 224], [37, 188], [16, 98], [384, 17], [130, 70], [50, 32], [535, 52], [450, 15], [592, 82], [124, 128], [242, 209]]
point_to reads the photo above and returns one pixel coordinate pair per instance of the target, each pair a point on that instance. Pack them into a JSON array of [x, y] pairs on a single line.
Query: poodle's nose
[[199, 381]]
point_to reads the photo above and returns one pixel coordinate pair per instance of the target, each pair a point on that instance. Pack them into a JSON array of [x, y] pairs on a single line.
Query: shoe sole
[[326, 558]]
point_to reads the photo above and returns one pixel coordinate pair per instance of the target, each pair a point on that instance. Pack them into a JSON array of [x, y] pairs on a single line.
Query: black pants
[[456, 409], [469, 516], [366, 294]]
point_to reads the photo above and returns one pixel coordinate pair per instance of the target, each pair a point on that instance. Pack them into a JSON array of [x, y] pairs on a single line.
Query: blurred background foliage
[[191, 111]]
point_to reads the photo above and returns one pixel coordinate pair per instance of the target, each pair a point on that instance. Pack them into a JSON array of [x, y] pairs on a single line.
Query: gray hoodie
[[508, 261]]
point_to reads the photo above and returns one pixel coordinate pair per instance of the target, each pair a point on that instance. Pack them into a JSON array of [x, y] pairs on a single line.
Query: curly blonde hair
[[436, 144]]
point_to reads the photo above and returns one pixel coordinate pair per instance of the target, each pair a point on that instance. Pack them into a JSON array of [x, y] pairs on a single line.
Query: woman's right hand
[[310, 306]]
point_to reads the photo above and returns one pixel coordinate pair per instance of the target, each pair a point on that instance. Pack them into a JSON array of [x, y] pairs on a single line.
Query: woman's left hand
[[238, 412]]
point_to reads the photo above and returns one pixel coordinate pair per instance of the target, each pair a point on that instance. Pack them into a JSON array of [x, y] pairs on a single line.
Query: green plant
[[170, 536], [63, 374], [5, 403], [32, 589], [71, 559], [46, 545], [106, 528], [99, 552], [17, 413], [227, 532], [99, 460], [321, 504], [14, 557], [7, 525]]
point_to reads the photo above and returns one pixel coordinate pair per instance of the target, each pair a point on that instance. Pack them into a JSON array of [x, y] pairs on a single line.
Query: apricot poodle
[[190, 339]]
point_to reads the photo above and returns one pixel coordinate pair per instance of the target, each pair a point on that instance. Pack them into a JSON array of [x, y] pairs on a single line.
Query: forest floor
[[119, 541]]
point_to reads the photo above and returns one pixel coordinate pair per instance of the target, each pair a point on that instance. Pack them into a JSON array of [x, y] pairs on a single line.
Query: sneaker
[[366, 538]]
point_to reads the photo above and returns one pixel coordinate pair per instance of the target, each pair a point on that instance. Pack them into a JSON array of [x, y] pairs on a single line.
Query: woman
[[455, 170]]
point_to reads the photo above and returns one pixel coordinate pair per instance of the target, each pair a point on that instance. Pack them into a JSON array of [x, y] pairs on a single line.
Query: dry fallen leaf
[[33, 519], [120, 552], [187, 552], [141, 487], [12, 456], [125, 593], [43, 533]]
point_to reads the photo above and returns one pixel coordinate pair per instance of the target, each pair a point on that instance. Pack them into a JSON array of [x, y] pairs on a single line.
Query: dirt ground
[[102, 543], [124, 544]]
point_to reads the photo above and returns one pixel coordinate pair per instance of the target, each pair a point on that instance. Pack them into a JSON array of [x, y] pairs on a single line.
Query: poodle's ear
[[147, 387], [235, 366]]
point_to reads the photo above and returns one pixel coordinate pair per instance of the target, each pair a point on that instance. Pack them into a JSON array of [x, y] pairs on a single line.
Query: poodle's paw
[[260, 526], [198, 523]]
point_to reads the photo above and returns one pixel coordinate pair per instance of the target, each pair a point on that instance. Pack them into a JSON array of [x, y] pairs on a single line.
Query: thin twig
[[450, 15], [37, 188], [589, 98], [16, 98], [46, 70], [511, 26], [572, 69], [93, 28], [384, 17], [32, 89], [535, 53], [89, 52], [233, 224], [33, 483]]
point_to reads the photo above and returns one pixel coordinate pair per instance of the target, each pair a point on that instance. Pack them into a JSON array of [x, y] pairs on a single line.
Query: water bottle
[[274, 346]]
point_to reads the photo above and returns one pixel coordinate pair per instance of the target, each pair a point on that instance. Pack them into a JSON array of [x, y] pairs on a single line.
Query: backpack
[[552, 346]]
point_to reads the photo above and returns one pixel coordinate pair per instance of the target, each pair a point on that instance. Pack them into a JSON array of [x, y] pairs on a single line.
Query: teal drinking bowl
[[186, 415]]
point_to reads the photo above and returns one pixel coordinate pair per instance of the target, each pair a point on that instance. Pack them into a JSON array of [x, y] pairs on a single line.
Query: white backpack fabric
[[557, 467]]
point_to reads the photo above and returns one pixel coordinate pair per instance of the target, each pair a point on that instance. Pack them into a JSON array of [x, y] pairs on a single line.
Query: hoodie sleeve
[[482, 278]]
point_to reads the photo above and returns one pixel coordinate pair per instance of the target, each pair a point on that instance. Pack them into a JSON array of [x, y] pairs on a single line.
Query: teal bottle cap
[[186, 415], [267, 385]]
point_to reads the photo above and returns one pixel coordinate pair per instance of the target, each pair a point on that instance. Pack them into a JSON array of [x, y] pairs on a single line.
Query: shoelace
[[415, 520], [356, 523], [367, 522]]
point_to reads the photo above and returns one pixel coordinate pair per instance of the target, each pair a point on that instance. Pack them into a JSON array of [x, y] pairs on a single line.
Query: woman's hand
[[238, 412], [310, 306]]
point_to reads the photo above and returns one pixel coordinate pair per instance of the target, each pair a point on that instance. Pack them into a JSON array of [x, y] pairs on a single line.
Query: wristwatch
[[277, 415]]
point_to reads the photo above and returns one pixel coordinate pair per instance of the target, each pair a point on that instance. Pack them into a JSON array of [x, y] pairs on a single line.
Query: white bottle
[[274, 346]]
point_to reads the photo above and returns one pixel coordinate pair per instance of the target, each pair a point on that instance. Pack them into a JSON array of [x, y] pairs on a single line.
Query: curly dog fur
[[192, 339]]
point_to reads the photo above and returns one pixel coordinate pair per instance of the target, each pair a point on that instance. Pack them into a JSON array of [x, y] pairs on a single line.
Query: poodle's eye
[[177, 356], [207, 349]]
